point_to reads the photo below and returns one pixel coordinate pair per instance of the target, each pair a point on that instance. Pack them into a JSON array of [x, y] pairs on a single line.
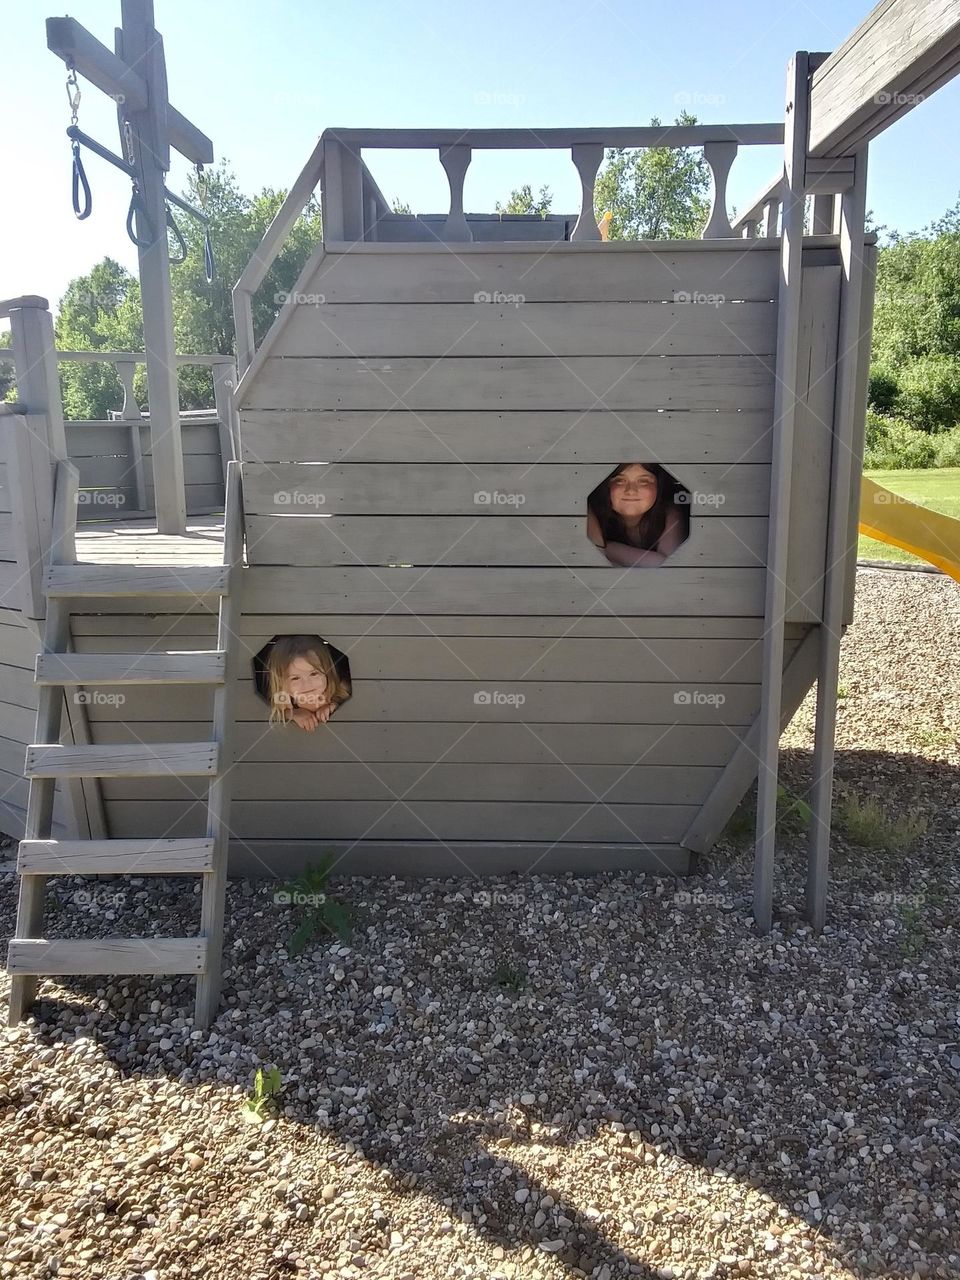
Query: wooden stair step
[[48, 956], [115, 857], [72, 580], [122, 760], [201, 666]]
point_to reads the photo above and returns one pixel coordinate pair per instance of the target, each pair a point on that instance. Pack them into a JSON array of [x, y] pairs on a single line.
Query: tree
[[98, 312], [522, 200], [654, 193], [916, 326]]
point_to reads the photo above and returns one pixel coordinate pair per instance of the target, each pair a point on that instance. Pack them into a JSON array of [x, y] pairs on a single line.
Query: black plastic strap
[[172, 224], [80, 182], [137, 207]]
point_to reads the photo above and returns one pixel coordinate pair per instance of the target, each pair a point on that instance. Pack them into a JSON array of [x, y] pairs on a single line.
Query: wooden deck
[[138, 542]]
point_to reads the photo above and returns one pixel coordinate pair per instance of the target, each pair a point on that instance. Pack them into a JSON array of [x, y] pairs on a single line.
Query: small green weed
[[865, 823], [266, 1086], [509, 975], [322, 913]]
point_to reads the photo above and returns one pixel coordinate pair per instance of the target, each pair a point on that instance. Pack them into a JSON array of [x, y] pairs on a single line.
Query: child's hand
[[305, 718]]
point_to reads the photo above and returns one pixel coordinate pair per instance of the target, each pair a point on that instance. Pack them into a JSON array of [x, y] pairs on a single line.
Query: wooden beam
[[784, 415], [900, 54], [840, 534], [94, 61], [535, 139]]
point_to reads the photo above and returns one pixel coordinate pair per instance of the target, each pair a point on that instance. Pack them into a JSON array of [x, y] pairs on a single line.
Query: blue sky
[[264, 79]]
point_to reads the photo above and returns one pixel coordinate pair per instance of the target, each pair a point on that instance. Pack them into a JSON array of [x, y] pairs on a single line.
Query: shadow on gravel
[[529, 1052]]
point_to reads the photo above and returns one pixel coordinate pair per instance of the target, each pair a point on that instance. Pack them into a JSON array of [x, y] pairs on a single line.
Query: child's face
[[633, 492], [305, 683]]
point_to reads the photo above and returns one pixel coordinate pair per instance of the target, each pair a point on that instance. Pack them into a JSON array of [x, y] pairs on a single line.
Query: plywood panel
[[813, 440], [389, 820], [287, 858], [469, 701], [529, 329], [531, 742], [516, 382], [594, 435], [465, 540], [558, 273], [562, 592], [483, 491], [412, 783]]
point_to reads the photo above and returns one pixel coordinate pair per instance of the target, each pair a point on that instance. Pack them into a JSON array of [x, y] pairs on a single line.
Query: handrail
[[673, 135]]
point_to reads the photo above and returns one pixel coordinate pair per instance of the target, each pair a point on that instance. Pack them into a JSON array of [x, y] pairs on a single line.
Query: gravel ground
[[546, 1076]]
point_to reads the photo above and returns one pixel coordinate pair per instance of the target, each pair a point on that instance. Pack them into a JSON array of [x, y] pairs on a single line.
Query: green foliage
[[99, 312], [929, 392], [266, 1086], [793, 818], [401, 206], [892, 444], [8, 382], [509, 975], [655, 193], [947, 449], [916, 326], [522, 200], [321, 912]]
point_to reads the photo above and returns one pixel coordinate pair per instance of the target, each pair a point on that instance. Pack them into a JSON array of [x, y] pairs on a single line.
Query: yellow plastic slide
[[930, 535]]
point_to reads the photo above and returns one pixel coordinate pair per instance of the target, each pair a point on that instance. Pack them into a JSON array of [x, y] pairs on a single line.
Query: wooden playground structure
[[403, 467]]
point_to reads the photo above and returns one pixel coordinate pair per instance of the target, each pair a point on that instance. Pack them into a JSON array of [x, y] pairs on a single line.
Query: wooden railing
[[354, 209]]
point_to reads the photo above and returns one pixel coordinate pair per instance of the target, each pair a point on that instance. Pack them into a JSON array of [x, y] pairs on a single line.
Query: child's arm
[[670, 539]]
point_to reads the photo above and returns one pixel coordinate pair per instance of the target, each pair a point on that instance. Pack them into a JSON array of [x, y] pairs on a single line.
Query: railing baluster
[[771, 211], [587, 156], [130, 412], [719, 156], [456, 161]]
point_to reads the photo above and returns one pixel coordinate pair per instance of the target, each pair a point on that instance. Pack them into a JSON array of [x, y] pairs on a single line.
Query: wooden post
[[224, 385], [45, 443], [784, 413], [126, 370], [139, 46], [841, 532]]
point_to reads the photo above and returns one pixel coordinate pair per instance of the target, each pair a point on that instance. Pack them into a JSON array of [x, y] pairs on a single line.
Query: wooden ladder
[[30, 955]]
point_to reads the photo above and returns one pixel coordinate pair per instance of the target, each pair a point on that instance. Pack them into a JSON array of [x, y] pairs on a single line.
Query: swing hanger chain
[[73, 91], [128, 144]]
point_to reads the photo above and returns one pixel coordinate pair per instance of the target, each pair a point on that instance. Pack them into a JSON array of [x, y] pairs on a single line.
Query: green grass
[[937, 488], [867, 824]]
